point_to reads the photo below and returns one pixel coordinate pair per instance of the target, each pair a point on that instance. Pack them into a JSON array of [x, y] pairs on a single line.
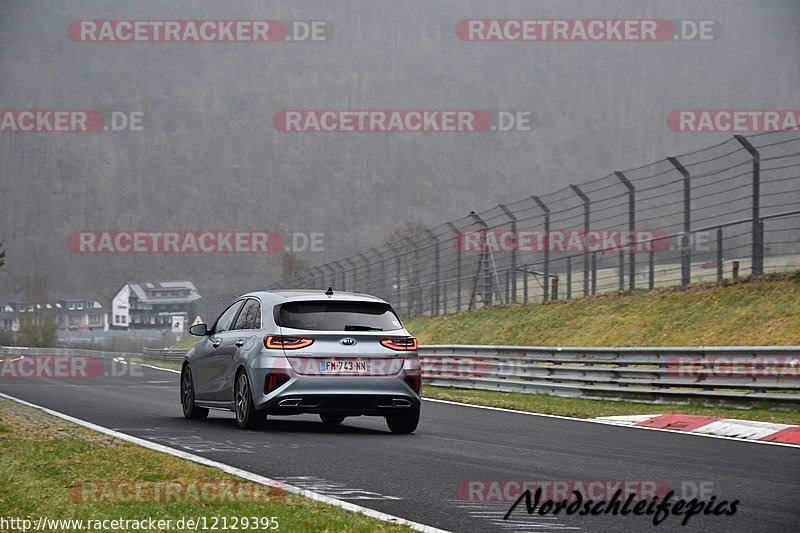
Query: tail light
[[403, 344], [274, 381], [281, 342], [414, 382]]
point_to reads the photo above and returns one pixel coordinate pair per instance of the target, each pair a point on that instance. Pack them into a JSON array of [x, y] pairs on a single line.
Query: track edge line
[[238, 472]]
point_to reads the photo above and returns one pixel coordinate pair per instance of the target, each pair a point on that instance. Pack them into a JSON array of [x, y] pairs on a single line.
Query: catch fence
[[725, 211]]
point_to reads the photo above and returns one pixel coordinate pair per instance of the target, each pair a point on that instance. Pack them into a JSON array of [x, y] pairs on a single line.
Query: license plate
[[344, 366]]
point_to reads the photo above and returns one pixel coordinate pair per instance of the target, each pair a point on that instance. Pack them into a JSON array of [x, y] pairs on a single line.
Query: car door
[[207, 362], [243, 338]]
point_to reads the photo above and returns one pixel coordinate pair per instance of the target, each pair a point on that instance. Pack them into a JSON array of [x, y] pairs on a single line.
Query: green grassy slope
[[752, 311]]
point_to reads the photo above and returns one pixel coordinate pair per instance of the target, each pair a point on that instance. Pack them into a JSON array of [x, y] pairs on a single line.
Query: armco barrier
[[738, 375], [153, 354], [70, 352]]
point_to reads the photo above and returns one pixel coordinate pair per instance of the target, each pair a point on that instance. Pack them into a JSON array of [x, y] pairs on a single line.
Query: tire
[[331, 419], [246, 415], [190, 410], [403, 422]]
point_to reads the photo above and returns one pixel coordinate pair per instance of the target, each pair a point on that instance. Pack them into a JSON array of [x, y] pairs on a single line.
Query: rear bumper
[[346, 395]]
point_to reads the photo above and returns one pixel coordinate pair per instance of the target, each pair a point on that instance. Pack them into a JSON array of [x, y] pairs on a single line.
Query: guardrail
[[155, 354], [737, 375], [151, 354], [742, 376], [70, 352]]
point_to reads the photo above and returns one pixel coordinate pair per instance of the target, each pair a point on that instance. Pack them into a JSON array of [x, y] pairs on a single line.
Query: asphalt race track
[[416, 476]]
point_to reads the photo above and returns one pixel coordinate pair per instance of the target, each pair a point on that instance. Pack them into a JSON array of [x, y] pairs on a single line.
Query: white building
[[161, 305], [76, 313]]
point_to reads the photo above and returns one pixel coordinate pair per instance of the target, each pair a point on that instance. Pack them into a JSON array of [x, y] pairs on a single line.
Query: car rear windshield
[[337, 316]]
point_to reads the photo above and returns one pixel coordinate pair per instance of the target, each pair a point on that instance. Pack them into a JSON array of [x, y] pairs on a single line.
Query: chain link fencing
[[725, 211]]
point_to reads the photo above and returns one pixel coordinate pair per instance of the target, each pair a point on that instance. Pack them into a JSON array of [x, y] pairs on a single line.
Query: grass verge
[[185, 343], [584, 408], [752, 311], [49, 465]]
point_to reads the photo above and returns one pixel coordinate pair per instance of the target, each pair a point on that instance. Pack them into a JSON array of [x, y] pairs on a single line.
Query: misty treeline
[[208, 157]]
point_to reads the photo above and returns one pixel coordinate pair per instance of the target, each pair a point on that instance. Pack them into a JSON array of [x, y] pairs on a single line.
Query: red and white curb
[[712, 425]]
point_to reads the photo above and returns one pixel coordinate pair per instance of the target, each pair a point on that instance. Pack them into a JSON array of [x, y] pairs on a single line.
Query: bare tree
[[40, 329], [291, 263]]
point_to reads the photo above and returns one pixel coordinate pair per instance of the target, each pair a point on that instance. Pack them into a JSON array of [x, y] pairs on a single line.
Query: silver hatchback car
[[304, 351]]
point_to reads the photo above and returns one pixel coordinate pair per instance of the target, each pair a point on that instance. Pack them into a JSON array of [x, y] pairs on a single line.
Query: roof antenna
[[329, 292]]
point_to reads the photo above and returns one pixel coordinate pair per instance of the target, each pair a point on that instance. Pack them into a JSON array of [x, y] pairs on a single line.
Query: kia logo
[[347, 341]]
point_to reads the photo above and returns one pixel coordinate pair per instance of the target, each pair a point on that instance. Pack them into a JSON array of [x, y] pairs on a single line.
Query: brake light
[[274, 381], [281, 342], [403, 344]]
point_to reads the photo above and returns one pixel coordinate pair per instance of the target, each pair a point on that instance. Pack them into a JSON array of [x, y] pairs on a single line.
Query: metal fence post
[[631, 229], [594, 273], [459, 251], [757, 235], [338, 265], [651, 263], [525, 286], [586, 229], [313, 280], [569, 278], [686, 250], [621, 271], [546, 211], [354, 270], [417, 289], [332, 282], [368, 275], [513, 219], [719, 254], [436, 273], [398, 294], [483, 261], [382, 288], [319, 281]]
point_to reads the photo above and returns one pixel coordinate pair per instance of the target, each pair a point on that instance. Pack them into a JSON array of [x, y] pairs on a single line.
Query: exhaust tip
[[400, 402], [290, 402]]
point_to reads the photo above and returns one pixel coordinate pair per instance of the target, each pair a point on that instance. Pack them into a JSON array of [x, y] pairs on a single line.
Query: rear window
[[337, 316]]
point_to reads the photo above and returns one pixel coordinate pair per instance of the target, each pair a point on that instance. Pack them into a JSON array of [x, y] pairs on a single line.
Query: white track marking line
[[244, 474]]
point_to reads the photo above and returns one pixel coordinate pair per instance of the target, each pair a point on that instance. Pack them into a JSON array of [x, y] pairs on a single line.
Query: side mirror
[[200, 330]]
